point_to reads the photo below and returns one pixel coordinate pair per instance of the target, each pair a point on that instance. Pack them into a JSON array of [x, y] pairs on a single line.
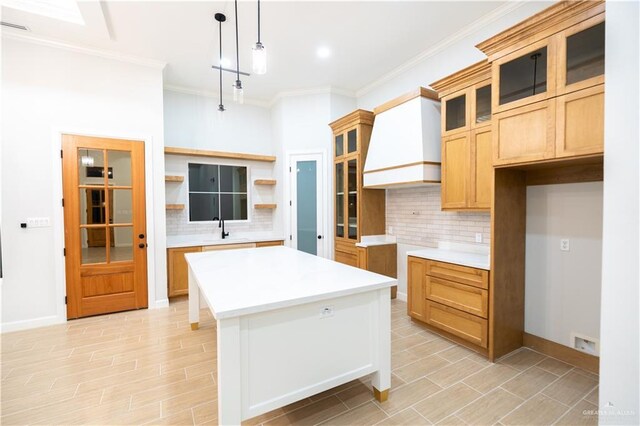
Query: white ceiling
[[367, 39]]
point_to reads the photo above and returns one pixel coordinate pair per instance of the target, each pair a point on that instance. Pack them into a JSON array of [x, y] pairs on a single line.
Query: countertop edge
[[455, 258], [223, 243]]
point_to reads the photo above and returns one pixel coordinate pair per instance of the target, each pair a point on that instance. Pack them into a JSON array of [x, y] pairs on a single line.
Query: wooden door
[[481, 169], [106, 257], [455, 166]]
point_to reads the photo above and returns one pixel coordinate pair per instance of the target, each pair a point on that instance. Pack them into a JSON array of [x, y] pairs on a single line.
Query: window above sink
[[217, 190]]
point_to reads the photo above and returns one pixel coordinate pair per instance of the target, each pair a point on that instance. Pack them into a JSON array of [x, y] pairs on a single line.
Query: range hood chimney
[[404, 150]]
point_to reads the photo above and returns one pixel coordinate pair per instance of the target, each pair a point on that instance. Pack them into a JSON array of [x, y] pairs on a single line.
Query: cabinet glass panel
[[352, 141], [483, 104], [456, 112], [523, 77], [340, 200], [352, 178], [585, 54], [339, 145]]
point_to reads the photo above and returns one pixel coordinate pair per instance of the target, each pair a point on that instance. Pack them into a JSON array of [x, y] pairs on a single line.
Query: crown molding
[[497, 13], [322, 90], [102, 53], [209, 94]]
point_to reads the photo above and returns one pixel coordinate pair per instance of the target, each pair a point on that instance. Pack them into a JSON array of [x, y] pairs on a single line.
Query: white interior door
[[307, 203]]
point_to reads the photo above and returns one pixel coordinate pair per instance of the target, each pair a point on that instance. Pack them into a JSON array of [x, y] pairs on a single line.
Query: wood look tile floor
[[148, 367]]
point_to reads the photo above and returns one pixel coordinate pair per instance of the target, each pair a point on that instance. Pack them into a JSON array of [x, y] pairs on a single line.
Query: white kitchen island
[[289, 325]]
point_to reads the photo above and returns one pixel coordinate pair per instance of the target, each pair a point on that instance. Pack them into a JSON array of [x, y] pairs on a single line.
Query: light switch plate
[[478, 237], [564, 244], [38, 222]]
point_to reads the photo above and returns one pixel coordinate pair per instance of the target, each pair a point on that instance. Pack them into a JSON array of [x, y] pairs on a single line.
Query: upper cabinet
[[351, 135], [548, 85], [466, 138]]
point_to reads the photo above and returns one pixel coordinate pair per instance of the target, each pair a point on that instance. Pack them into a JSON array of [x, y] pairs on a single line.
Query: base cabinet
[[178, 276], [451, 298], [381, 259]]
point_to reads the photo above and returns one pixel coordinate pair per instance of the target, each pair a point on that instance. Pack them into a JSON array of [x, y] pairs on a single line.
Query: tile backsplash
[[414, 217], [178, 223]]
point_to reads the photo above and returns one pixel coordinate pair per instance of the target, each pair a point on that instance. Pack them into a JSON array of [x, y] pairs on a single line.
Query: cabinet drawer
[[459, 274], [269, 243], [466, 326], [346, 247], [470, 299], [350, 259]]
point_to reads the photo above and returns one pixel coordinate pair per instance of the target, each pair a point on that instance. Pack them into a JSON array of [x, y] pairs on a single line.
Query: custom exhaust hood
[[404, 150]]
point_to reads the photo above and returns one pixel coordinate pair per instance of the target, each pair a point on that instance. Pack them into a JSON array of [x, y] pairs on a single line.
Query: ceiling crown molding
[[209, 94], [323, 90], [497, 13], [102, 53]]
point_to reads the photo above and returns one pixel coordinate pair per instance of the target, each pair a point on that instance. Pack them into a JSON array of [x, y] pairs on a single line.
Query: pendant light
[[238, 95], [86, 160], [220, 18], [259, 52]]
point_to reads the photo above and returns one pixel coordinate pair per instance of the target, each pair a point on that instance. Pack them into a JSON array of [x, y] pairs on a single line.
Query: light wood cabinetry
[[178, 274], [381, 259], [548, 85], [452, 299], [358, 211], [466, 136]]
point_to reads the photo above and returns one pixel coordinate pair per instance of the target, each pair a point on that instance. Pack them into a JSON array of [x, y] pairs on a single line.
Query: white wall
[[562, 288], [47, 90], [620, 325]]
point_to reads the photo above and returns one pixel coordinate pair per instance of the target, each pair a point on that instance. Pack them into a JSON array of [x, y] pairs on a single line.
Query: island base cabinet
[[580, 123], [178, 274]]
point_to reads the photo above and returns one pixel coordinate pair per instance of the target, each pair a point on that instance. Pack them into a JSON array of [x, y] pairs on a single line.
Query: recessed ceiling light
[[323, 52], [62, 10]]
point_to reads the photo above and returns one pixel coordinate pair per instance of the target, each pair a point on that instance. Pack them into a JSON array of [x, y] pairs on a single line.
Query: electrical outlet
[[478, 237], [326, 312], [391, 230], [564, 245]]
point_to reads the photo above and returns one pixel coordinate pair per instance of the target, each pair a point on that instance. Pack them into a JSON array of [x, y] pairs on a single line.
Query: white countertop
[[474, 260], [246, 281], [174, 241], [376, 240]]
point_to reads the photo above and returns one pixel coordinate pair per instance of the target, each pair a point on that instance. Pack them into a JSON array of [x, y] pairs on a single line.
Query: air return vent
[[16, 26]]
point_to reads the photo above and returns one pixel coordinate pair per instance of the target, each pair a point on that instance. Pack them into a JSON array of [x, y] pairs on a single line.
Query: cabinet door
[[456, 111], [581, 55], [340, 200], [580, 122], [524, 134], [415, 288], [352, 199], [481, 105], [352, 141], [524, 78], [455, 171], [178, 270], [338, 141], [481, 169]]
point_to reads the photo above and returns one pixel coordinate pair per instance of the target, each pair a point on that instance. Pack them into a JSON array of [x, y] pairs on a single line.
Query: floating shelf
[[264, 182], [218, 154], [174, 178], [264, 206], [175, 206]]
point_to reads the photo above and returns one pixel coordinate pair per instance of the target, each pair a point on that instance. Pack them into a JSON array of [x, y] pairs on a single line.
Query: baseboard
[[31, 323], [163, 303], [402, 296], [563, 353]]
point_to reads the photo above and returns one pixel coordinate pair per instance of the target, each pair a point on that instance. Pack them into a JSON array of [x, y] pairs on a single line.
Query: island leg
[[229, 372], [194, 302], [381, 379]]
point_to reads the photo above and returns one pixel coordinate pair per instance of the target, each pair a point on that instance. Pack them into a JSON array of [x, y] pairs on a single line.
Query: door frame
[[325, 202], [57, 219]]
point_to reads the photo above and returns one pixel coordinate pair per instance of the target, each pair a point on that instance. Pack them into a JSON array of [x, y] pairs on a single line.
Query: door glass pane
[[585, 54], [340, 200], [203, 178], [122, 248], [93, 242], [307, 208], [92, 206], [233, 206], [523, 77], [203, 207], [90, 167], [121, 206], [120, 167], [483, 104], [233, 179], [352, 140], [353, 198], [339, 145], [456, 115]]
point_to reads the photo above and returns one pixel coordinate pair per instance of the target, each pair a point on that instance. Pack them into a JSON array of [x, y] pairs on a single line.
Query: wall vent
[[16, 26]]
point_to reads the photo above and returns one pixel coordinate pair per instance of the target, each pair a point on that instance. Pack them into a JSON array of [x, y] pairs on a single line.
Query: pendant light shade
[[220, 18], [86, 160], [238, 92], [259, 52]]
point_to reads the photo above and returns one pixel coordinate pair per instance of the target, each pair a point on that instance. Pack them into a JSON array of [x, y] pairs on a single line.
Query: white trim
[[8, 327], [102, 53], [210, 94], [323, 90], [164, 303], [483, 21], [402, 296]]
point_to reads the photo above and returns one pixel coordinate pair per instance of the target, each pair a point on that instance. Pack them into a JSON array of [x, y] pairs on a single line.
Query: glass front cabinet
[[357, 211], [548, 97]]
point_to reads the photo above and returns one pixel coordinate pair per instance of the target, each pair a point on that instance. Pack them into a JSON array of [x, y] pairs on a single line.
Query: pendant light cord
[[237, 50], [258, 21], [220, 37]]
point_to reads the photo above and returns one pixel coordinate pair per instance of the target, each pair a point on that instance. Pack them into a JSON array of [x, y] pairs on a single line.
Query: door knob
[[142, 245], [319, 237], [141, 236]]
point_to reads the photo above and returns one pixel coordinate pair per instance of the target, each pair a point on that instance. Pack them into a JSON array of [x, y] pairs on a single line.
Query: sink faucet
[[221, 225]]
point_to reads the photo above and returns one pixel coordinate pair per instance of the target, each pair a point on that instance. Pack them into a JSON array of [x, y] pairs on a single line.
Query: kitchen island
[[289, 325]]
